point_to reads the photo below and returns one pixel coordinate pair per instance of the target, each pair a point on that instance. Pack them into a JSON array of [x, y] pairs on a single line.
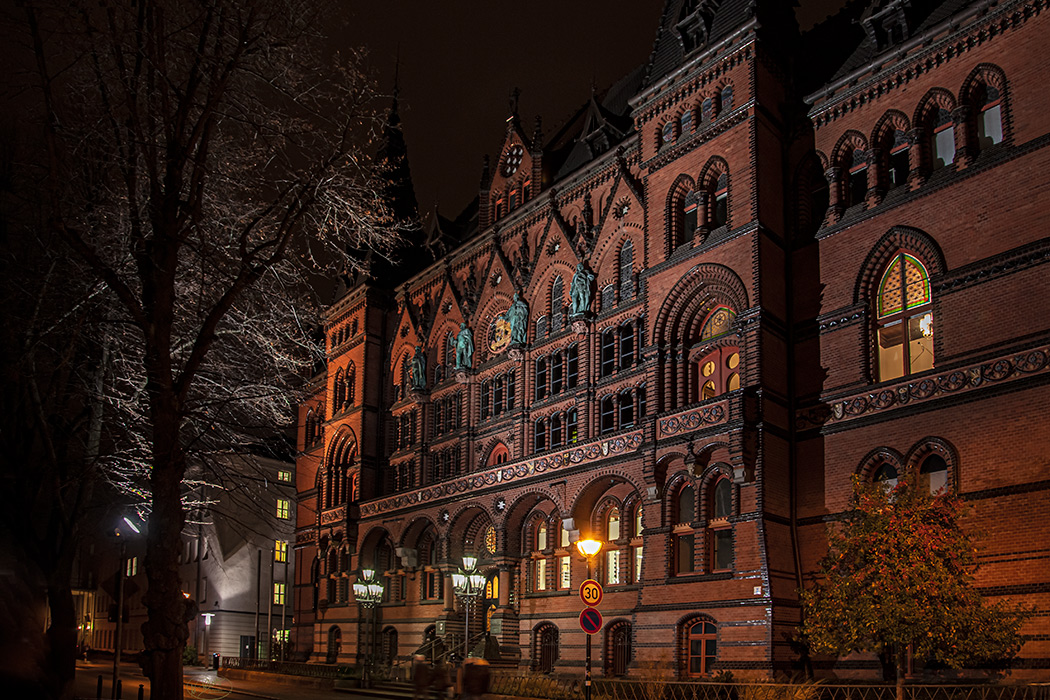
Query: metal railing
[[291, 668], [552, 688]]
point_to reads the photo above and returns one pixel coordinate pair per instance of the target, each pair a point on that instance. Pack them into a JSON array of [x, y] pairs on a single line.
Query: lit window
[[637, 563], [131, 566], [904, 319], [612, 566], [564, 573], [541, 574], [613, 531], [989, 116], [284, 475], [284, 509], [278, 594], [280, 551], [943, 139], [541, 537]]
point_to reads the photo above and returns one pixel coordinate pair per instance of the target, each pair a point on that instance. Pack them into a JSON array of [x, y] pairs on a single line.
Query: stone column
[[964, 151], [916, 161]]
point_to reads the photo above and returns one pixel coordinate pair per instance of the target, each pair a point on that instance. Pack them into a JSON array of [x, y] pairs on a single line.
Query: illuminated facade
[[758, 265]]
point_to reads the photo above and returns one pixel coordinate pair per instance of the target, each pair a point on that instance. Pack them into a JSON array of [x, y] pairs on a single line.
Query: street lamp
[[368, 591], [589, 549], [121, 536], [467, 583]]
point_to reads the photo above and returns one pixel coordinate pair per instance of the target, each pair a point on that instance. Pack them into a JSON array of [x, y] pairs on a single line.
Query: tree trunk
[[164, 632], [900, 658], [60, 662]]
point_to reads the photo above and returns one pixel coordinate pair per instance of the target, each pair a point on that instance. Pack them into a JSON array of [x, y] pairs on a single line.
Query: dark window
[[702, 646], [989, 116], [933, 474], [857, 184], [541, 327], [608, 350], [720, 210], [686, 123], [608, 297], [683, 553], [686, 505], [572, 372], [608, 415], [626, 346], [497, 396], [900, 165], [541, 379], [627, 270], [510, 390], [540, 442], [557, 304], [557, 373], [707, 109], [726, 99], [486, 388], [557, 431], [626, 410]]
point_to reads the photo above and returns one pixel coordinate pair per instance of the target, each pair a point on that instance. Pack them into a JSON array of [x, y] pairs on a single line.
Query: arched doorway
[[335, 644], [617, 648], [388, 648], [546, 647]]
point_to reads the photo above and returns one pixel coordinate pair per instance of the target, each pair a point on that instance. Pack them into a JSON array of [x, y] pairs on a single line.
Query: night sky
[[460, 59]]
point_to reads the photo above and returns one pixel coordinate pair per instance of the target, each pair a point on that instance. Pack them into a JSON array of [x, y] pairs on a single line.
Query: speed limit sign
[[591, 592]]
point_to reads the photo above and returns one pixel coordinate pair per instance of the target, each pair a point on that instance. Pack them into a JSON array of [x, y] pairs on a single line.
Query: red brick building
[[799, 257]]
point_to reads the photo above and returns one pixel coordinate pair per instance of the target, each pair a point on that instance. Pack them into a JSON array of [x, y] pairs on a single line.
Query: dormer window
[[667, 133]]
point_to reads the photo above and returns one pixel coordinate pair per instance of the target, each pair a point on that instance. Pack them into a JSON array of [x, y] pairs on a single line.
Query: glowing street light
[[467, 583], [589, 549], [368, 591]]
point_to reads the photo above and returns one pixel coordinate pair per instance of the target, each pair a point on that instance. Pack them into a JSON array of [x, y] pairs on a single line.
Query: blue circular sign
[[590, 621]]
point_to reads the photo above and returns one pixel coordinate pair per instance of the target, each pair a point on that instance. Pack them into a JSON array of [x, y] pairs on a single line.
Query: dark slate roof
[[839, 46], [669, 51], [605, 115]]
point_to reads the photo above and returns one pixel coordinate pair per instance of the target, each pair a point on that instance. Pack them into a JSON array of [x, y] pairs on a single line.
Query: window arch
[[887, 475], [699, 647], [498, 455], [718, 322], [933, 474], [612, 527], [681, 213], [713, 210], [904, 318], [986, 107], [685, 123]]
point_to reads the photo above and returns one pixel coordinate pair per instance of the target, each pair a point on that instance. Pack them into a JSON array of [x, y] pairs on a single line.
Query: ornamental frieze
[[957, 381], [306, 537], [692, 419], [518, 471], [335, 515]]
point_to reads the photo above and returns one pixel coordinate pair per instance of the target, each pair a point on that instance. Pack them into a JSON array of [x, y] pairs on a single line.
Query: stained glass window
[[718, 323]]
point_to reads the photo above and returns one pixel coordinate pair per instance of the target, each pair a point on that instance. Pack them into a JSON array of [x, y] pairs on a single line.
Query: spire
[[393, 158], [512, 120]]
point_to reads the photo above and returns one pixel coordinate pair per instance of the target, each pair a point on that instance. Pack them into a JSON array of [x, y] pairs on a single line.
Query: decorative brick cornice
[[519, 471], [692, 419], [956, 381]]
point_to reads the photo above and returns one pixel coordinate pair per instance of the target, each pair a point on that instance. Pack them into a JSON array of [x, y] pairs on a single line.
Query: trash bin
[[215, 661]]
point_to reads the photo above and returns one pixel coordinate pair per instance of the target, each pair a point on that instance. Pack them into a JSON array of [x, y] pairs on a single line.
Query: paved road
[[200, 683]]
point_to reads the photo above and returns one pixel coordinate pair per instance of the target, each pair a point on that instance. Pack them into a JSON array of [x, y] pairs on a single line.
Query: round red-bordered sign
[[590, 621], [591, 592]]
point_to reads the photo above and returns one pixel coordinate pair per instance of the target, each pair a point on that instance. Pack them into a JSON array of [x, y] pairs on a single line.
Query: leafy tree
[[201, 161], [899, 575]]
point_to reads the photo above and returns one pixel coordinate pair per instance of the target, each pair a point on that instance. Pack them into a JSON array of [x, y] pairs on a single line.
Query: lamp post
[[589, 549], [368, 591], [467, 583], [121, 536]]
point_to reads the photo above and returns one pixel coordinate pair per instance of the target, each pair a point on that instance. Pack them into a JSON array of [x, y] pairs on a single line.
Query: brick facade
[[761, 225]]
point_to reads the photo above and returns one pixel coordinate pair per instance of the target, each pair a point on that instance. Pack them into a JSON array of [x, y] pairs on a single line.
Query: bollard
[[98, 688], [118, 690], [142, 691]]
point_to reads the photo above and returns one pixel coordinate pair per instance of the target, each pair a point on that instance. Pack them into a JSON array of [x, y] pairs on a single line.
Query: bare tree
[[201, 158]]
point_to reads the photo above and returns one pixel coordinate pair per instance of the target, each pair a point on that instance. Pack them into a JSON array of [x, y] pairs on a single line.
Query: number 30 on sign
[[591, 592]]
